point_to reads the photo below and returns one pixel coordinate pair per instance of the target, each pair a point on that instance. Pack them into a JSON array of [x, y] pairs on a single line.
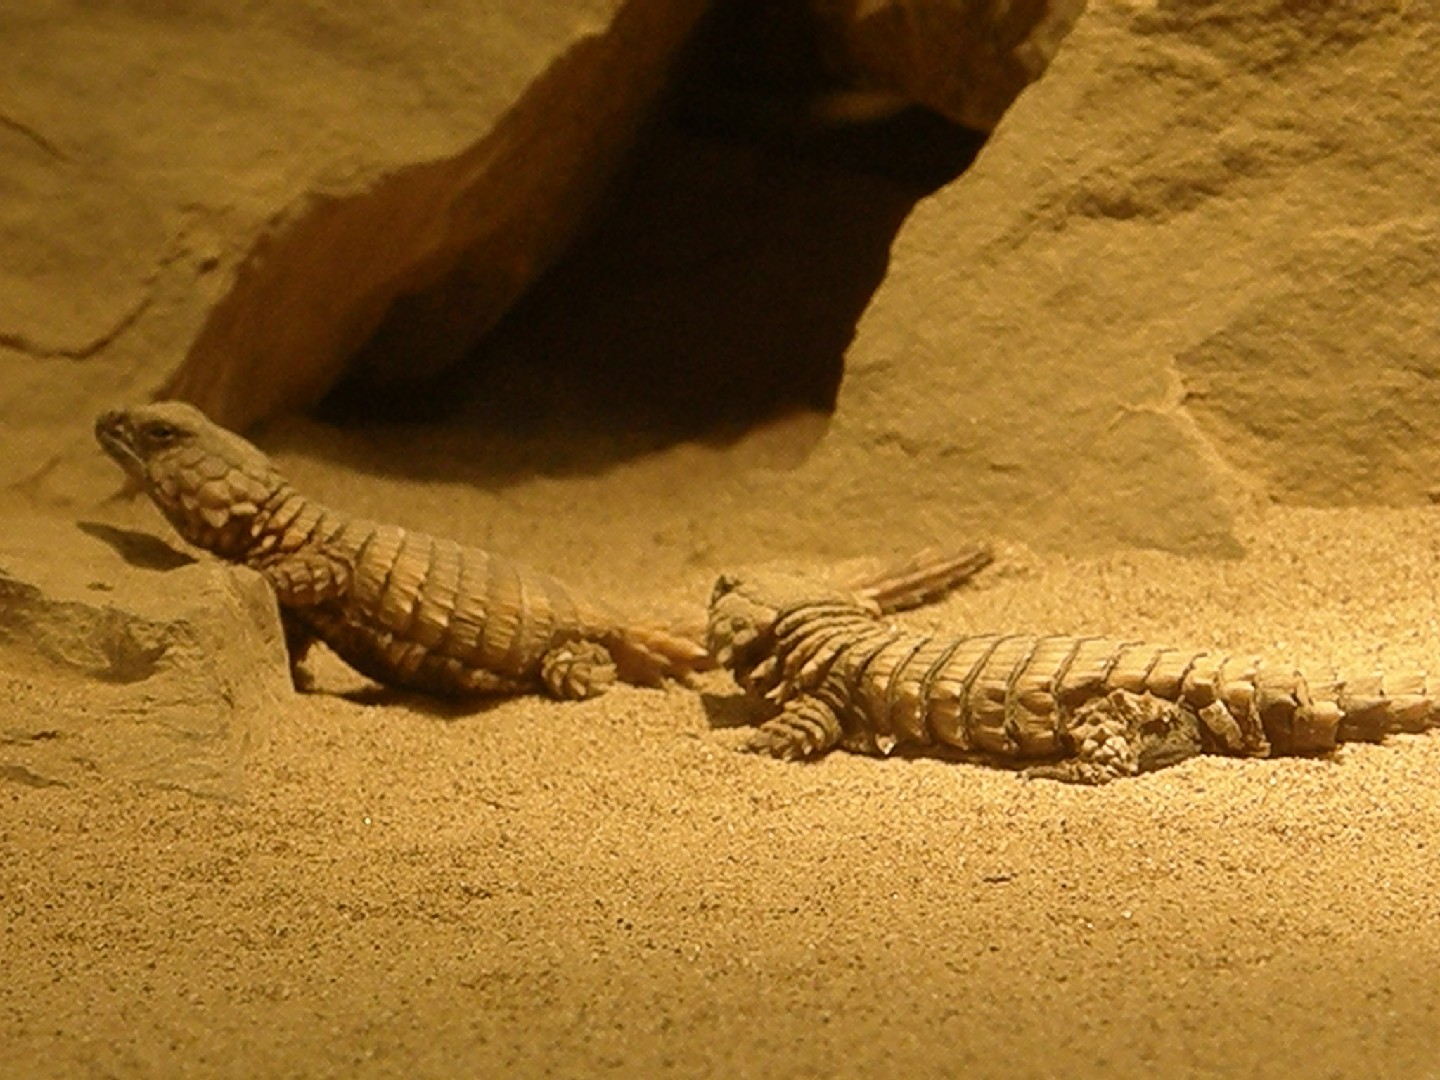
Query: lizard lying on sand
[[1082, 709]]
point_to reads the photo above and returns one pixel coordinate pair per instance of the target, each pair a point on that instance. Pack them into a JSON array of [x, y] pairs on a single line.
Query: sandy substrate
[[1194, 269], [608, 888]]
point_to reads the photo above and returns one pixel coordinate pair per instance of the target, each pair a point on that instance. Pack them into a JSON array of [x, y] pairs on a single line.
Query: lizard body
[[402, 607], [1083, 709]]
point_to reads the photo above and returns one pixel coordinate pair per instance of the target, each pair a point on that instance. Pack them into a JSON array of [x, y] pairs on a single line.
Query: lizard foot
[[577, 670]]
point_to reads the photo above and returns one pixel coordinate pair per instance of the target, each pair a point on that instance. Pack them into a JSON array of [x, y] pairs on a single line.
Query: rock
[[121, 656], [1193, 268], [966, 59], [1196, 263], [255, 193]]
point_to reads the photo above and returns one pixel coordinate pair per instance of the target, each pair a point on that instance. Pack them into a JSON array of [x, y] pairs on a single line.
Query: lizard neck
[[246, 530], [799, 648], [285, 522]]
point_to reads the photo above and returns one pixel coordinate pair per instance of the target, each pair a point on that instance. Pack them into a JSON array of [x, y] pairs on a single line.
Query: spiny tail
[[1375, 705], [646, 656], [923, 578]]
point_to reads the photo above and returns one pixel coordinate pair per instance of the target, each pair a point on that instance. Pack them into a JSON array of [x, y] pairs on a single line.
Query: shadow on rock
[[137, 548]]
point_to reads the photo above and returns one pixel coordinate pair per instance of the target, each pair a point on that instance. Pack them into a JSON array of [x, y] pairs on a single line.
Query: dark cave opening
[[721, 282]]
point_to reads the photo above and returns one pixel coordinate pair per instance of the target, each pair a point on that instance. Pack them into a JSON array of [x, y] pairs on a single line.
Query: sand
[[608, 888], [1193, 272]]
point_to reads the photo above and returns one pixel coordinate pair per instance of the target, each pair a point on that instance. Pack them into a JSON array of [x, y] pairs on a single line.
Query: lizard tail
[[922, 578], [646, 656]]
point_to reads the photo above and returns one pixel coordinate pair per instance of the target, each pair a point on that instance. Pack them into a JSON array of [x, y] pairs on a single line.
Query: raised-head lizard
[[405, 608]]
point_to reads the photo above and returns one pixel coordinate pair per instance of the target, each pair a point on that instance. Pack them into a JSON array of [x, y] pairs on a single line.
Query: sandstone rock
[[123, 656], [966, 59], [1197, 261], [232, 200], [1195, 264]]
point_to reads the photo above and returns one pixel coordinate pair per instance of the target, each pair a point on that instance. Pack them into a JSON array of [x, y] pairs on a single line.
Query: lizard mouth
[[112, 431]]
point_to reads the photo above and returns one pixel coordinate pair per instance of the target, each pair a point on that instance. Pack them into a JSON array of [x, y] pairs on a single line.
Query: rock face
[[1196, 262], [121, 656], [235, 207], [966, 59], [233, 201]]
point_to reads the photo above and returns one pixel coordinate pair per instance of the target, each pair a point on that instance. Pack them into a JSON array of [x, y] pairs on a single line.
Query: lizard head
[[209, 482], [743, 613], [740, 621]]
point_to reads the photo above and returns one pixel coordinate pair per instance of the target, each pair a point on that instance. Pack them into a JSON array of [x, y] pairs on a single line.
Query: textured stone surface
[[966, 59], [232, 198], [1196, 262], [121, 656], [1194, 266]]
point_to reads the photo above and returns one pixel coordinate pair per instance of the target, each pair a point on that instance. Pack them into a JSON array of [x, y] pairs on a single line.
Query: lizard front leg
[[298, 639], [805, 728], [303, 580]]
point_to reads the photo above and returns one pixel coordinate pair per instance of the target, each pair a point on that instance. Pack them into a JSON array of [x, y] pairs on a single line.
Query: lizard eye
[[161, 432]]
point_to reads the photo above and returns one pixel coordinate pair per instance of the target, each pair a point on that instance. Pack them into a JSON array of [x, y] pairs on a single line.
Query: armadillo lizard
[[1088, 709], [401, 607]]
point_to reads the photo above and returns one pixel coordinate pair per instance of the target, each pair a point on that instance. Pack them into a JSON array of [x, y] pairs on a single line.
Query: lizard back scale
[[402, 607], [1086, 709]]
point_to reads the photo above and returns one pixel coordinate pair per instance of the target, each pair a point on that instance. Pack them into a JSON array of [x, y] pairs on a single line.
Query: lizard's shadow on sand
[[374, 695], [137, 548], [735, 710], [721, 710]]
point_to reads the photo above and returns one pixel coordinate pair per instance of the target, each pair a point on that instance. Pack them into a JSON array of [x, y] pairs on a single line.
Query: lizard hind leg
[[1124, 734], [806, 728], [575, 670]]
